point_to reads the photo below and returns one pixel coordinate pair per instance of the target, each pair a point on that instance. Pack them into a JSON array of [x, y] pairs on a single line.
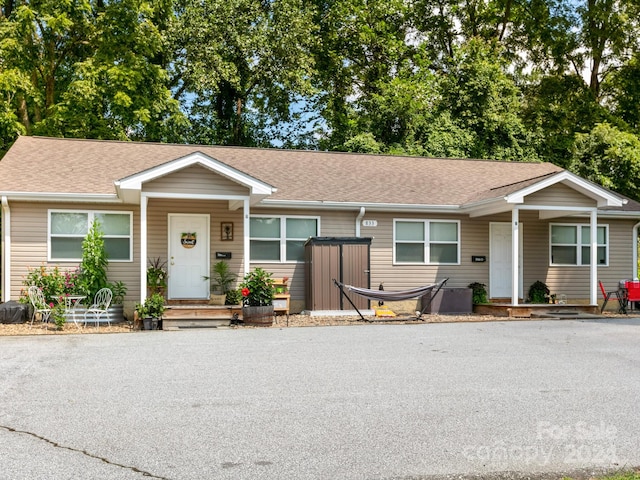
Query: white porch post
[[515, 249], [593, 283], [247, 243], [143, 246], [634, 270], [5, 265]]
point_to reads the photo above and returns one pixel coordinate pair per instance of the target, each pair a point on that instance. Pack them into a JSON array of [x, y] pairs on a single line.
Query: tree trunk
[[7, 8], [237, 124], [23, 114]]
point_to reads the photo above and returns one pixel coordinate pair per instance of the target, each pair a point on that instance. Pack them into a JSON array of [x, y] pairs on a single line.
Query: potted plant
[[151, 311], [282, 287], [157, 276], [221, 280], [257, 292], [234, 297], [539, 292]]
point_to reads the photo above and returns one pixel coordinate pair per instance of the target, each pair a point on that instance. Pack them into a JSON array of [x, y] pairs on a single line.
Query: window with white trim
[[426, 241], [570, 244], [68, 228], [280, 238]]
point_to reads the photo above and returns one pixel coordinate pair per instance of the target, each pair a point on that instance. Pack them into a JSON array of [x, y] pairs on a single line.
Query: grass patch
[[616, 476]]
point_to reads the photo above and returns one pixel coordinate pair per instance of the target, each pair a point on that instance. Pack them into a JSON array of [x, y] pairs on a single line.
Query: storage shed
[[346, 259]]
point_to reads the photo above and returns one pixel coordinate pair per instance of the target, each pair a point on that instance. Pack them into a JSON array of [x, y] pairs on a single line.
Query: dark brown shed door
[[355, 272], [343, 259]]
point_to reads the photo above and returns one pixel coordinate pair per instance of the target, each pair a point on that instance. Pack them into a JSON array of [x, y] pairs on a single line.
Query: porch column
[[5, 254], [515, 249], [246, 230], [593, 274], [143, 247]]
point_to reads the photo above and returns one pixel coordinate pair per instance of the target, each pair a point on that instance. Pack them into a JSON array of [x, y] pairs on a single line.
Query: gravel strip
[[281, 322]]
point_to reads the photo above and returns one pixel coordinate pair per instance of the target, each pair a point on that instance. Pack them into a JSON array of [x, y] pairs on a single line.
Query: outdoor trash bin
[[13, 312]]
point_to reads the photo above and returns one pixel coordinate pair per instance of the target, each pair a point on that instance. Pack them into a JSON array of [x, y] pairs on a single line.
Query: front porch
[[536, 310]]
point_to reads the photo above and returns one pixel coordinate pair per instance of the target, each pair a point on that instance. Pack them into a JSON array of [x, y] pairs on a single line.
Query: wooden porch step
[[199, 316]]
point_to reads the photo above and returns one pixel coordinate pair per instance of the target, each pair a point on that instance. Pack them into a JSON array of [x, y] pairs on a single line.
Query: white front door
[[188, 256], [500, 264]]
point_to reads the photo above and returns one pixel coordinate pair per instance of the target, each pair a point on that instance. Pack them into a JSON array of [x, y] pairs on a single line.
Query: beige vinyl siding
[[157, 219], [29, 244], [332, 224], [195, 180], [574, 281], [473, 241], [559, 195]]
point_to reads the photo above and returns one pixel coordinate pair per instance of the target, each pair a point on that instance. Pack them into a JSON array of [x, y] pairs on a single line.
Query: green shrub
[[539, 292], [53, 282], [479, 293], [94, 263]]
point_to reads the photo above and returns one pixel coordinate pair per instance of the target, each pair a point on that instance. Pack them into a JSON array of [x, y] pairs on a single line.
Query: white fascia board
[[62, 197], [134, 182], [378, 207], [603, 197]]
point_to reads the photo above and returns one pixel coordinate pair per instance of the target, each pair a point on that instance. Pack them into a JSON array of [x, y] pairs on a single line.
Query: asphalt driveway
[[359, 402]]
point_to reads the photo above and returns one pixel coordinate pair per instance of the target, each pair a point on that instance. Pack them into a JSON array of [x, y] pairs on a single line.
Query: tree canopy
[[511, 80]]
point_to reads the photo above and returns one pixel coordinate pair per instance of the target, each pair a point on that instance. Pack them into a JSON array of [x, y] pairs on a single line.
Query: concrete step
[[200, 316]]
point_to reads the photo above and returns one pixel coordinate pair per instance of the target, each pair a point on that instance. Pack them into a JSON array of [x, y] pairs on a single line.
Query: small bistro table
[[70, 304]]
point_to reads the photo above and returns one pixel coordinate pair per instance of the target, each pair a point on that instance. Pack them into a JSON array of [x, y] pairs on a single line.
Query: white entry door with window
[[188, 256], [500, 264]]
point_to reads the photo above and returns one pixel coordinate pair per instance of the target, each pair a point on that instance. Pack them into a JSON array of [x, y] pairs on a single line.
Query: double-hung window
[[68, 228], [427, 241], [570, 244], [281, 238]]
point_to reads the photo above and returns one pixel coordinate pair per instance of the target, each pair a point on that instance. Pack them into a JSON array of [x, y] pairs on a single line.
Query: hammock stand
[[385, 295]]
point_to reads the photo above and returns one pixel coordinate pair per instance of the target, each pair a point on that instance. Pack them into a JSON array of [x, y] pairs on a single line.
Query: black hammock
[[385, 295]]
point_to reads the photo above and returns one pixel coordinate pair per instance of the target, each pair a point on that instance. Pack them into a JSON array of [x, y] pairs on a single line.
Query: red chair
[[632, 292], [607, 295]]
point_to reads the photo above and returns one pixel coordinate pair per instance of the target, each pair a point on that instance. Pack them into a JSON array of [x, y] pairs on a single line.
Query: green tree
[[244, 63], [622, 89], [87, 68], [483, 100], [558, 108], [609, 157], [362, 45]]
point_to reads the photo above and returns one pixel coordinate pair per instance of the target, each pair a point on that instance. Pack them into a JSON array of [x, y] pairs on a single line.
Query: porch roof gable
[[505, 198], [130, 187]]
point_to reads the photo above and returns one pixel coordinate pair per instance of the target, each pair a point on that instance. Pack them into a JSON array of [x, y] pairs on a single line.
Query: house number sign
[[369, 223], [188, 239]]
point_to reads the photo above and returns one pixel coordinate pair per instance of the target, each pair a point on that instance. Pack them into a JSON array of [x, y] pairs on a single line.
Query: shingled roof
[[41, 165], [53, 165]]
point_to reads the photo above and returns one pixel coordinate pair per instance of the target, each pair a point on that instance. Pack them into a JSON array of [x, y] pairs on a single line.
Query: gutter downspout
[[5, 241], [359, 220]]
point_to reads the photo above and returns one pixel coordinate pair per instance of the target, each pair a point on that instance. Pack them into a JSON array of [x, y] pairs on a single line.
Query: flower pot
[[261, 316], [149, 323], [215, 299]]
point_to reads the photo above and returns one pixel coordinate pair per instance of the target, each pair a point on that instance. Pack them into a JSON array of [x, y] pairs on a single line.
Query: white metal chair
[[36, 297], [100, 305]]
